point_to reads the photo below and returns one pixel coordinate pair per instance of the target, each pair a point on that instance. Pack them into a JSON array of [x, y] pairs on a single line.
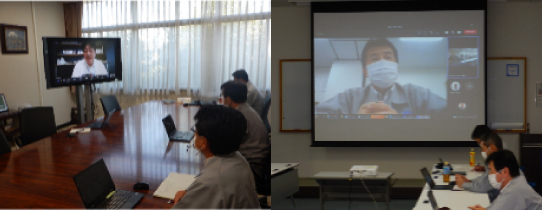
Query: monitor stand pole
[[83, 96]]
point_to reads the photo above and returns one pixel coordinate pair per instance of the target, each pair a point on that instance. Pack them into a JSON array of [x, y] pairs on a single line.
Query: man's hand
[[376, 108], [477, 207], [179, 195], [460, 179]]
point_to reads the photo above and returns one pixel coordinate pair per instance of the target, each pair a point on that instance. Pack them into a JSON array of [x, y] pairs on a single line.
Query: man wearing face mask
[[490, 143], [383, 95], [225, 181], [476, 134], [515, 192]]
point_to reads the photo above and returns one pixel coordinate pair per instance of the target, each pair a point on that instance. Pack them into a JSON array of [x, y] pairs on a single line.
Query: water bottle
[[446, 172]]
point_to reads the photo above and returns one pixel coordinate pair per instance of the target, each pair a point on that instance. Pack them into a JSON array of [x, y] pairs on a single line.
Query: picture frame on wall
[[14, 39], [3, 103]]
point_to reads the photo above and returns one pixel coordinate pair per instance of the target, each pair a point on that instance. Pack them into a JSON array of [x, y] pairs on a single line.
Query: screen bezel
[[48, 65], [394, 6]]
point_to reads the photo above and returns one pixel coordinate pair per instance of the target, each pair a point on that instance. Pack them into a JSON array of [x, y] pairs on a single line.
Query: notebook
[[173, 133], [431, 183], [172, 184]]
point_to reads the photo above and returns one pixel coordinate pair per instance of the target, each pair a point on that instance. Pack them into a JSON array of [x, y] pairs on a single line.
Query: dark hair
[[224, 128], [377, 43], [478, 131], [492, 139], [85, 43], [237, 91], [504, 158], [240, 74]]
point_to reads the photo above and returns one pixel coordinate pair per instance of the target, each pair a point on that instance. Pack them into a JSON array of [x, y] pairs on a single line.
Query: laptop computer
[[173, 133], [98, 190], [104, 122], [434, 204], [431, 183]]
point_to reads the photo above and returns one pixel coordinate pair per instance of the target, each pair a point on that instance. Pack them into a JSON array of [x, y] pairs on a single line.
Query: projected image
[[404, 75], [463, 57]]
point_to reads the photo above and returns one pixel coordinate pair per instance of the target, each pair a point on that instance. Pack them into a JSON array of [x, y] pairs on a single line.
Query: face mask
[[382, 73], [493, 181], [484, 155]]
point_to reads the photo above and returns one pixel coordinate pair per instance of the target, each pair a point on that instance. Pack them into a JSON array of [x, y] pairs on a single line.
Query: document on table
[[79, 130], [172, 184]]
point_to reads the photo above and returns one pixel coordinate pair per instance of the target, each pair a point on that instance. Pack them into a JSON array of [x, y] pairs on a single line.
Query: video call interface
[[425, 67], [78, 61]]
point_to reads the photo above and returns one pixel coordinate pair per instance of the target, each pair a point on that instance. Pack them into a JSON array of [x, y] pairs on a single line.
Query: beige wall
[[22, 78], [513, 30]]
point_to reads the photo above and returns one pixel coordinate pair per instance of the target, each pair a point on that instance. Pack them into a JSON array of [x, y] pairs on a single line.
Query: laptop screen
[[432, 200], [94, 183], [427, 177], [169, 124]]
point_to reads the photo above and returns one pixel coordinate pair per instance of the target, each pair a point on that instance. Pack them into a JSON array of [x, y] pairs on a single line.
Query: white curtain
[[194, 45]]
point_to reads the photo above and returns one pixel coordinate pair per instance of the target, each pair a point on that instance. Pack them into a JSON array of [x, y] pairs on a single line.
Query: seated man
[[515, 192], [383, 95], [256, 145], [477, 133], [225, 181], [490, 143], [254, 98], [89, 65]]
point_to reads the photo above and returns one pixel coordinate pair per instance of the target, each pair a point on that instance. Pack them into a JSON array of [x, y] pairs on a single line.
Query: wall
[[22, 77], [512, 31]]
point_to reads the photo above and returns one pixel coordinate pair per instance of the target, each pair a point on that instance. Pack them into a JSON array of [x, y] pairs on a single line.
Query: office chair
[[4, 144], [37, 123], [110, 103], [265, 110]]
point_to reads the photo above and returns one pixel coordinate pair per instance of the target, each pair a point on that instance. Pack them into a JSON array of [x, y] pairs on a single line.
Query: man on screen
[[89, 65], [383, 95]]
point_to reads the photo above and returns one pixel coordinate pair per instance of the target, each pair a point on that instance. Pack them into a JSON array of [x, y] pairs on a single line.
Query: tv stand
[[84, 101]]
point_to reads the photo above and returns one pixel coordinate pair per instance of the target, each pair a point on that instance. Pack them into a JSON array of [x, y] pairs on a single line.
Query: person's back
[[226, 182], [257, 139], [254, 98]]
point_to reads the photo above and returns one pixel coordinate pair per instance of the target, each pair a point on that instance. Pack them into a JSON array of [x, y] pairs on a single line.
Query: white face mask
[[484, 155], [493, 181], [382, 73]]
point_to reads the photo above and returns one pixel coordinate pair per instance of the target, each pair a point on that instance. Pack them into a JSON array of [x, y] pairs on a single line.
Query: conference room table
[[452, 199], [134, 146]]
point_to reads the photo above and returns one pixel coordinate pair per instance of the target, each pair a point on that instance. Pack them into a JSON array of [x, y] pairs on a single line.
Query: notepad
[[79, 130], [172, 184], [457, 188]]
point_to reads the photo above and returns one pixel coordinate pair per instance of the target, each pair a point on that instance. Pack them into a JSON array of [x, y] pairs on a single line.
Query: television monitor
[[77, 61], [398, 73]]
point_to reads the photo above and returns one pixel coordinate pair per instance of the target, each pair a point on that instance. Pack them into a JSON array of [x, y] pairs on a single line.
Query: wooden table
[[134, 146]]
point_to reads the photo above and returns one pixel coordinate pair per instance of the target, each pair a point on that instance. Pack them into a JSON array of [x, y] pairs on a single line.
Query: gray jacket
[[405, 99], [255, 146], [254, 98], [225, 182], [517, 195]]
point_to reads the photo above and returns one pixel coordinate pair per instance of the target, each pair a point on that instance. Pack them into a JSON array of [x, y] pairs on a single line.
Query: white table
[[452, 199], [284, 180], [336, 185]]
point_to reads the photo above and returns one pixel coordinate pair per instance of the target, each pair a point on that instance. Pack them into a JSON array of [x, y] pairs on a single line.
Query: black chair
[[37, 123], [265, 110], [4, 144], [110, 103]]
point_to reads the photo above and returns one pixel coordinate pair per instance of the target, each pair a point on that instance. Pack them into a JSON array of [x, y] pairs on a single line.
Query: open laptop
[[98, 190], [173, 133], [431, 183], [434, 204], [103, 123]]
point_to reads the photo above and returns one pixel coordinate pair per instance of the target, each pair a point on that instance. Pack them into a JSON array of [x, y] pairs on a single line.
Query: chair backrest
[[265, 110], [110, 103], [4, 144], [263, 185], [37, 123]]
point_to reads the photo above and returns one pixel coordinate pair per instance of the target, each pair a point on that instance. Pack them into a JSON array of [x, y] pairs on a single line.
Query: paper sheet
[[172, 184], [457, 188], [79, 130]]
